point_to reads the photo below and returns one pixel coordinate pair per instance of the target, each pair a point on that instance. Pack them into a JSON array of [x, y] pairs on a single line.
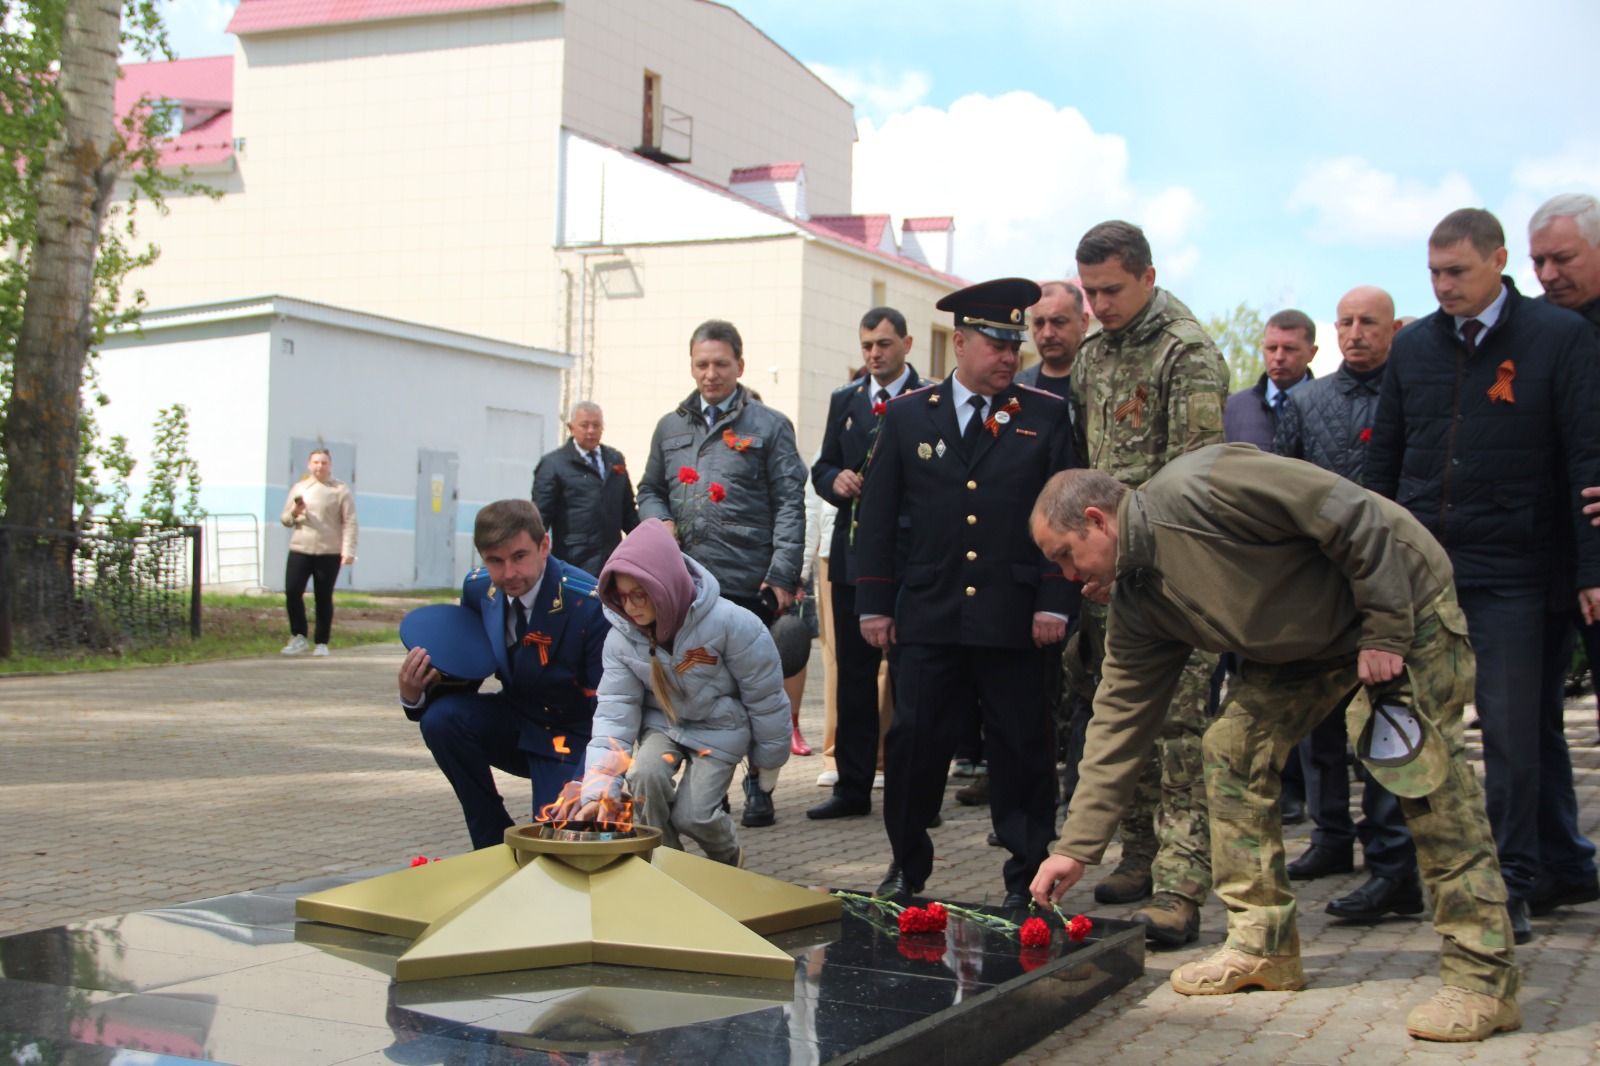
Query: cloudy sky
[[1276, 153]]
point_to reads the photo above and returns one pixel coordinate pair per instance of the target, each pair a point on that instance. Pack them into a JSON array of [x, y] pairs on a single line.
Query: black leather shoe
[[1015, 901], [1521, 927], [1320, 860], [895, 885], [994, 839], [839, 807], [1293, 810], [1548, 895], [1379, 896], [758, 809], [938, 820]]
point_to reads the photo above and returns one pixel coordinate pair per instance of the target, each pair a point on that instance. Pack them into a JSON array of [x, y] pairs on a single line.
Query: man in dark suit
[[855, 413], [976, 601], [547, 630], [583, 493]]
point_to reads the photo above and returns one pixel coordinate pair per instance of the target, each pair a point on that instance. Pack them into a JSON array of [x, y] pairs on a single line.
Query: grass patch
[[237, 626]]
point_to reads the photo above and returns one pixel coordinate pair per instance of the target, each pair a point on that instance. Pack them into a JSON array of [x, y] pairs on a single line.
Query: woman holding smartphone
[[321, 513]]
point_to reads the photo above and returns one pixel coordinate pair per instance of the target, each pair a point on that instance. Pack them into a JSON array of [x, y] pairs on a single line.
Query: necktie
[[594, 461], [1277, 404], [522, 622], [883, 396], [713, 412], [1469, 334], [969, 436]]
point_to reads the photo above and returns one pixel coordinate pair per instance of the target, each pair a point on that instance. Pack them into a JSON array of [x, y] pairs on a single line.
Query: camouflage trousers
[[1268, 709], [1165, 825]]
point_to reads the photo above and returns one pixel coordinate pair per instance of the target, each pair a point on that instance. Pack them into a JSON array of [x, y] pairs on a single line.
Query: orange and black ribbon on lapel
[[1134, 406], [695, 657], [1504, 375], [543, 640]]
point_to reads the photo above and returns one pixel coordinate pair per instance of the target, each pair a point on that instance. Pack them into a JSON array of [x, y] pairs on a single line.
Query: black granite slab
[[237, 980]]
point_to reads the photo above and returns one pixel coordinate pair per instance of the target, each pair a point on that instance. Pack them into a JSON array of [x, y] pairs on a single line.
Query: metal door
[[343, 455], [436, 520]]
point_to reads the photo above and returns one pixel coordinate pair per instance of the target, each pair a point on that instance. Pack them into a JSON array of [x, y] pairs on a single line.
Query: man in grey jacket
[[1328, 422], [725, 475]]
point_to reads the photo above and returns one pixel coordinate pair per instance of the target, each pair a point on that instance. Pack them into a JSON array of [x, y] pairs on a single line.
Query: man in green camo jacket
[[1152, 387]]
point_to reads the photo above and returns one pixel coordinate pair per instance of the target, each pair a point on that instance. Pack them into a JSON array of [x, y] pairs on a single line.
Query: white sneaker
[[877, 780], [827, 779], [321, 651], [297, 645]]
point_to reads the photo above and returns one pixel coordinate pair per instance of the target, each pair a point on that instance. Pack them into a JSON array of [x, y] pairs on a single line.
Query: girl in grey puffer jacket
[[695, 681]]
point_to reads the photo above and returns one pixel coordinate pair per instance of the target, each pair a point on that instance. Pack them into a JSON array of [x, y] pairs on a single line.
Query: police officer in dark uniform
[[976, 602], [855, 412], [544, 632]]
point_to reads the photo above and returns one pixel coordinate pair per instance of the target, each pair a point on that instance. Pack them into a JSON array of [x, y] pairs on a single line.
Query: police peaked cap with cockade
[[997, 309]]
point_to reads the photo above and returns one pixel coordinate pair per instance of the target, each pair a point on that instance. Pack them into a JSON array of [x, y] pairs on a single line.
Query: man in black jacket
[[1329, 422], [1486, 432], [583, 491], [855, 414]]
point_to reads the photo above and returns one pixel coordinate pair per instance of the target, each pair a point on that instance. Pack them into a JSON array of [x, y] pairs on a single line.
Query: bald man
[[1328, 422]]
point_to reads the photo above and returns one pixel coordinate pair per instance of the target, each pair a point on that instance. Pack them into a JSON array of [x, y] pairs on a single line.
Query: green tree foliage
[[172, 470], [31, 119], [1238, 336]]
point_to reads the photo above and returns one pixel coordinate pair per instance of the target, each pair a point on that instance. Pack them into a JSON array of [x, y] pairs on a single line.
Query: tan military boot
[[1459, 1014], [1169, 920], [1129, 883], [1232, 970]]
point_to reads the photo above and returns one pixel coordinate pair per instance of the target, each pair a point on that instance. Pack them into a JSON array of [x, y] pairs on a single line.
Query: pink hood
[[651, 557]]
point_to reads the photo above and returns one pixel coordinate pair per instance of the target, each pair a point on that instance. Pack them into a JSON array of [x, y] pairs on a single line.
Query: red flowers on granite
[[929, 919], [1078, 928], [1034, 933]]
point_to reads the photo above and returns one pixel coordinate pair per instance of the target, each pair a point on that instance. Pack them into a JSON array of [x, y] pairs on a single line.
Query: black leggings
[[323, 571]]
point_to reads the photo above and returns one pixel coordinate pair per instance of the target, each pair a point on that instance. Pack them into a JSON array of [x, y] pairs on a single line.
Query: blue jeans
[[1523, 651]]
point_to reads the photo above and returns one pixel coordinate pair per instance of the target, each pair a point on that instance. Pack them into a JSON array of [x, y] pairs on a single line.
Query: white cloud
[[1356, 203], [874, 91], [1024, 192]]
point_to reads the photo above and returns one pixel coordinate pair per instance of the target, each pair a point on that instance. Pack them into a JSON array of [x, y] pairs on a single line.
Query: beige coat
[[328, 526], [1231, 549]]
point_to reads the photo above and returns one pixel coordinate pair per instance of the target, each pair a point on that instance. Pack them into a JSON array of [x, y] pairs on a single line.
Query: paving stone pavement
[[148, 787]]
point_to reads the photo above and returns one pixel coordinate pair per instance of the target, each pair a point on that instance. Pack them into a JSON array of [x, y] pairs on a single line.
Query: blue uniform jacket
[[973, 575], [554, 692]]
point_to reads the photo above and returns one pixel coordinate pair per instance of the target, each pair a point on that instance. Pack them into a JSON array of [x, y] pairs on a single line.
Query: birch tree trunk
[[75, 186], [79, 174]]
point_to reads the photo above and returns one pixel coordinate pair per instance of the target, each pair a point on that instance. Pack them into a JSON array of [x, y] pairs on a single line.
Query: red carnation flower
[[879, 407], [1034, 933], [420, 860], [688, 475], [1366, 435], [914, 920], [1078, 927], [938, 917], [717, 492]]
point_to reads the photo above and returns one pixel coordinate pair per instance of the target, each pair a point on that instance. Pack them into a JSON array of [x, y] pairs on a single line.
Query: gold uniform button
[[971, 591], [972, 484], [971, 556], [972, 519]]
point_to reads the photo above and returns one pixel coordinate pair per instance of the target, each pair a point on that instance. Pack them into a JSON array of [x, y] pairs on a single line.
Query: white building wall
[[252, 385], [402, 168], [752, 102]]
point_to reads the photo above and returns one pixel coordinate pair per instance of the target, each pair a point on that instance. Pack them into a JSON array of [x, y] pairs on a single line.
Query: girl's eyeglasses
[[637, 597]]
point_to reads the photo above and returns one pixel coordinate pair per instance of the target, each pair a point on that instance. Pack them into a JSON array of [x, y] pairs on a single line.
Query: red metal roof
[[262, 16], [923, 225], [862, 229], [203, 85], [766, 172]]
